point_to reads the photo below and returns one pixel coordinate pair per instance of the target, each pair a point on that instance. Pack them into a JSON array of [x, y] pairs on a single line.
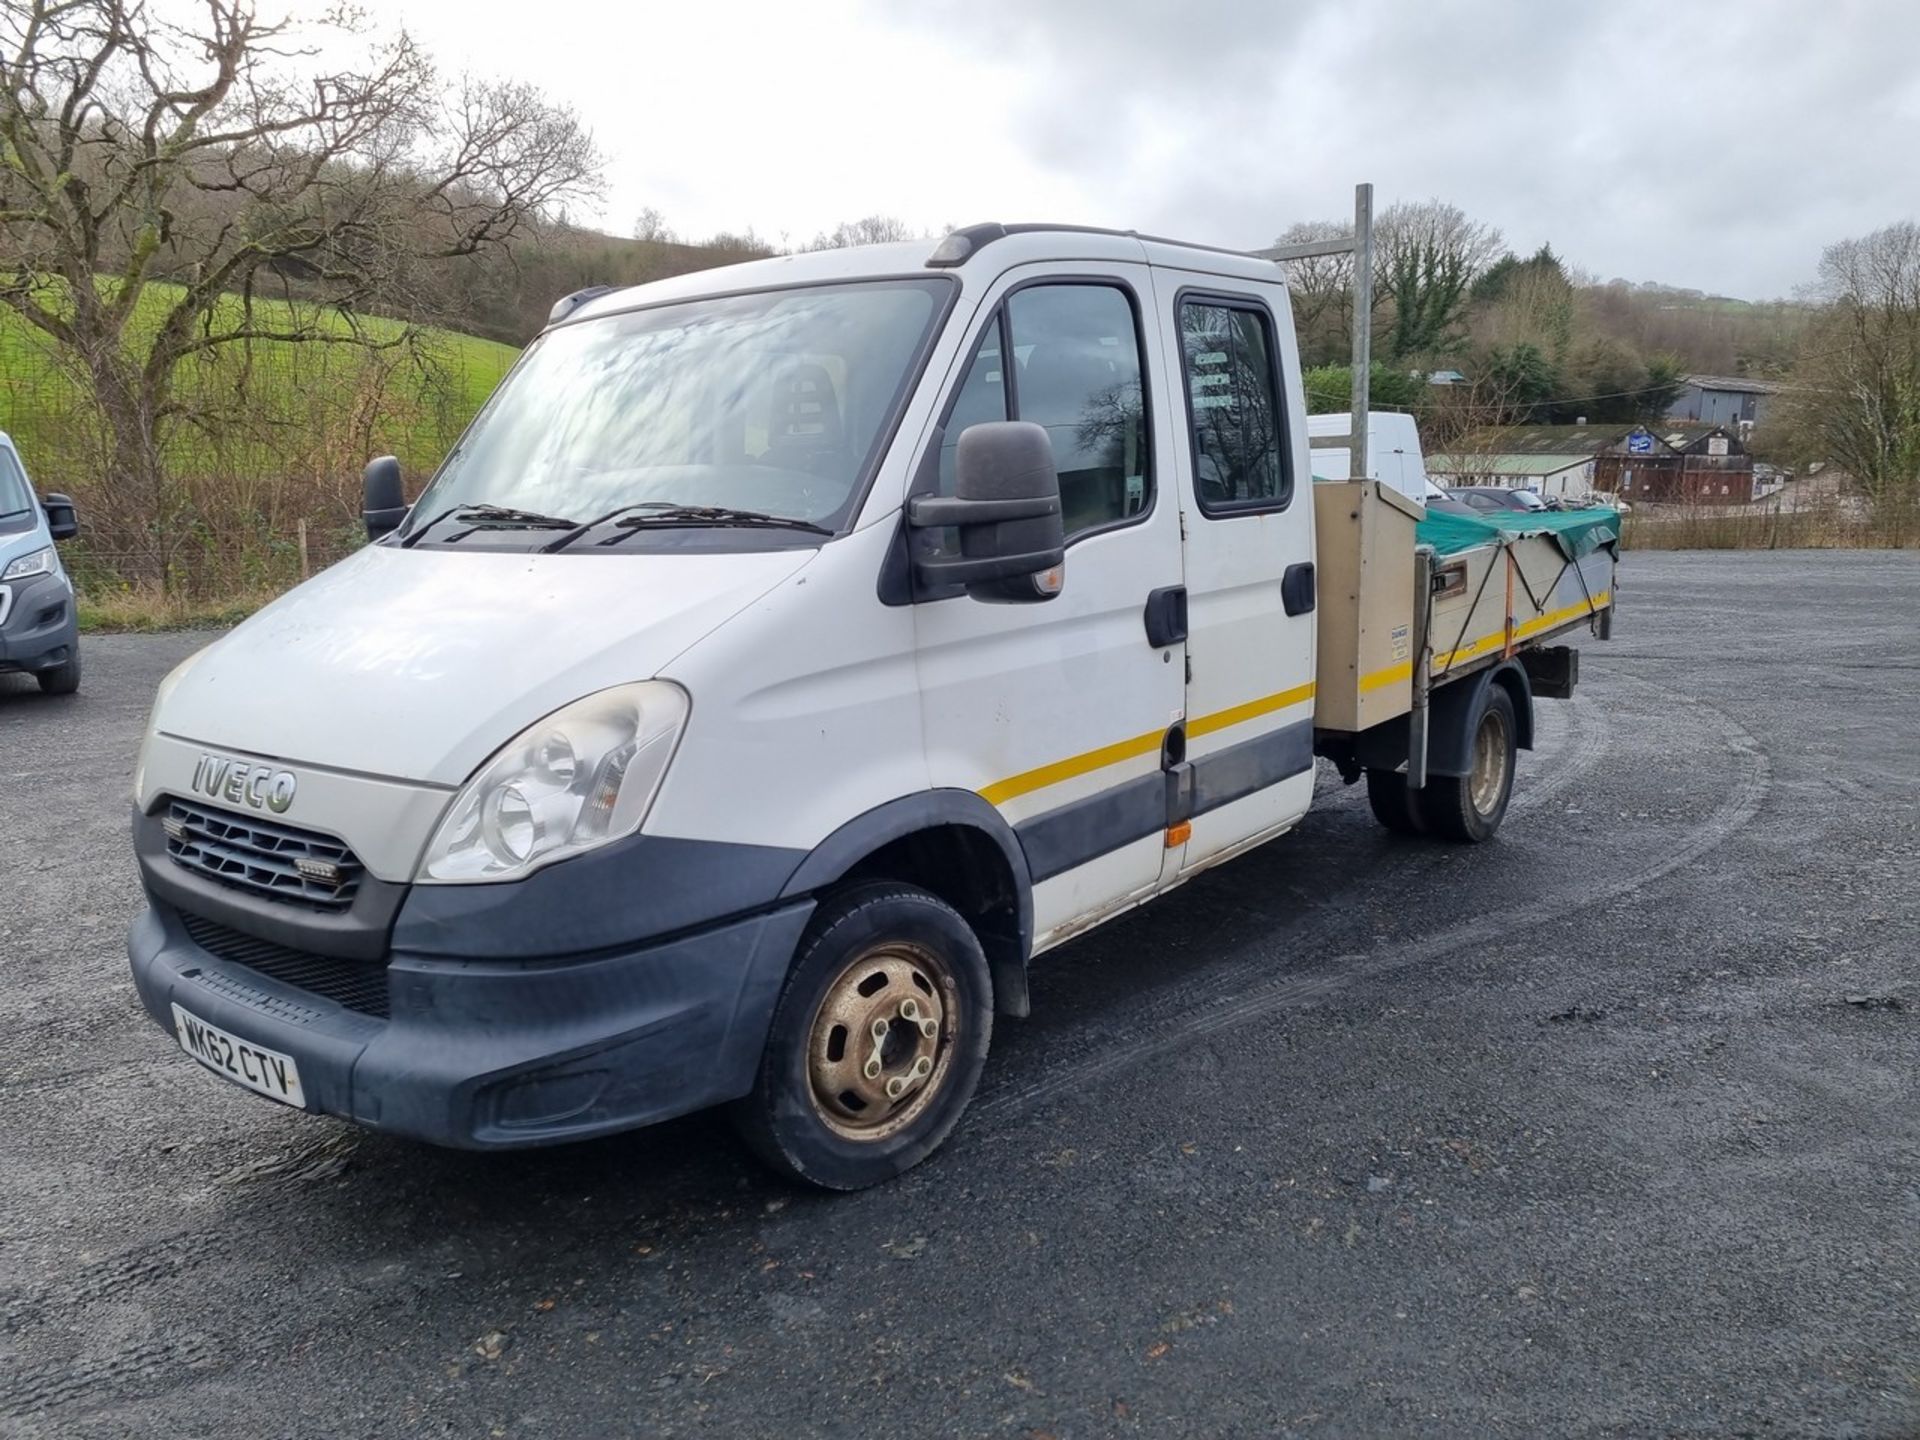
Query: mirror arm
[[932, 512], [962, 570]]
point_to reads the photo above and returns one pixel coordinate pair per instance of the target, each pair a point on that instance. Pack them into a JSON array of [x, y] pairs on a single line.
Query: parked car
[[1497, 497], [39, 630]]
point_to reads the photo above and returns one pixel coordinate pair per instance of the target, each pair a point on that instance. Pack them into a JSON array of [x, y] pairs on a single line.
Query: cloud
[[1716, 145]]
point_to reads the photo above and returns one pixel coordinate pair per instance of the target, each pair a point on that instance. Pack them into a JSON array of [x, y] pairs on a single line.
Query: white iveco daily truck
[[786, 656]]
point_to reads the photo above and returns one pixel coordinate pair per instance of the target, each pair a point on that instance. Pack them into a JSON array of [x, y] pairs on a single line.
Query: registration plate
[[265, 1071]]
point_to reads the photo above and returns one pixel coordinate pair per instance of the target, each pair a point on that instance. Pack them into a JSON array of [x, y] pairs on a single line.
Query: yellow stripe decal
[[1002, 791], [1221, 719], [1402, 671], [1498, 639], [1027, 781]]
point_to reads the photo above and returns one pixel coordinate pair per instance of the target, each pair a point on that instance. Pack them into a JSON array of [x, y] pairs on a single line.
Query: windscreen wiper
[[665, 513], [493, 517]]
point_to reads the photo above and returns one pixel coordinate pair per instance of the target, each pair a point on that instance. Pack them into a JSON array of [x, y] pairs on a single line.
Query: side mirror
[[1006, 506], [63, 521], [385, 505]]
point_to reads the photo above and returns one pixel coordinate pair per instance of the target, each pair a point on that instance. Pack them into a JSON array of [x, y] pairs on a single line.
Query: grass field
[[428, 385]]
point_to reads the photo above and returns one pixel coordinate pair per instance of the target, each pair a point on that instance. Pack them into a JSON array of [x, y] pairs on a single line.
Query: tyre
[[1467, 809], [877, 1042], [1394, 806], [62, 679]]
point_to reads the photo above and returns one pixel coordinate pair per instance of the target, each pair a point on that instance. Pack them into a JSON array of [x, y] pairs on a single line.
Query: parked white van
[[785, 657]]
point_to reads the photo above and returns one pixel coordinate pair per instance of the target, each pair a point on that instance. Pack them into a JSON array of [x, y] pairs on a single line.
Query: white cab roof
[[1023, 245]]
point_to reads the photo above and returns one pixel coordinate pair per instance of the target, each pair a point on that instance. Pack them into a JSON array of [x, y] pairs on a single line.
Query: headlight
[[40, 562], [581, 777]]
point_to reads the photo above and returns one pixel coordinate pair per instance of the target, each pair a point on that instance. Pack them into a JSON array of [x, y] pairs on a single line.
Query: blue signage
[[1639, 443]]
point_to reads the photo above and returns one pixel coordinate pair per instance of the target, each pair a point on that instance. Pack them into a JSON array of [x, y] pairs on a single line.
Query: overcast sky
[[1718, 146]]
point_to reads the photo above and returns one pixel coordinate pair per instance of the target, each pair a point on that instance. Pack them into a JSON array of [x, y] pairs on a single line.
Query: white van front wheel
[[877, 1041]]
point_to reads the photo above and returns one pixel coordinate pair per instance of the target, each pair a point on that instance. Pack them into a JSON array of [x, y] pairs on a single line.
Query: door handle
[[1297, 589], [1166, 616]]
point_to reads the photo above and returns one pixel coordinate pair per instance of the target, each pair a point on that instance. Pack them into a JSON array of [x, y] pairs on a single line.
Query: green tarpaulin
[[1577, 532]]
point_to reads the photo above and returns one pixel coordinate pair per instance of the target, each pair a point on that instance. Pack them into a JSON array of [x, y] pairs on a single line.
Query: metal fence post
[[1362, 326]]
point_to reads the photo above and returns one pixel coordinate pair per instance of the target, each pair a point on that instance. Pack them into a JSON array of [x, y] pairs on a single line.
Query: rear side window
[[1075, 369], [1241, 459]]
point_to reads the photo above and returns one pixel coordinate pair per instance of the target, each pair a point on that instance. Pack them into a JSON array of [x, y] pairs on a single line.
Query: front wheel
[[1469, 808], [877, 1041], [61, 679]]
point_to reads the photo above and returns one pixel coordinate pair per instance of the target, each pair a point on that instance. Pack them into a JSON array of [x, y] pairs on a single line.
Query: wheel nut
[[872, 1068], [929, 1029], [922, 1068], [896, 1087], [879, 1029], [909, 1010]]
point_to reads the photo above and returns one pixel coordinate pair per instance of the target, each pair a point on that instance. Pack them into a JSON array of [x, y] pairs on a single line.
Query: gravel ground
[[1607, 1128]]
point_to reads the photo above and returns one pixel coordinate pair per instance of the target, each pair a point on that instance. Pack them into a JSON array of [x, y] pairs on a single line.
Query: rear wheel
[[1469, 808], [1394, 806], [877, 1041], [62, 679]]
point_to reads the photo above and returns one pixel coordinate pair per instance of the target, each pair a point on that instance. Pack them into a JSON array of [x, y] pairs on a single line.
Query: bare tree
[[650, 224], [223, 157], [1322, 290], [869, 230], [1857, 397]]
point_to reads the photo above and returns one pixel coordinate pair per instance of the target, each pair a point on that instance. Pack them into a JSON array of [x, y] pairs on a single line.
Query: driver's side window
[[1067, 357]]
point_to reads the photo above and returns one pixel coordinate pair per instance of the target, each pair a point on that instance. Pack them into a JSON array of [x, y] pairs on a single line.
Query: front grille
[[359, 985], [261, 856]]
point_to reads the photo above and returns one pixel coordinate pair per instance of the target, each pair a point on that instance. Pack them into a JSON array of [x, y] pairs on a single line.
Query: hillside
[[277, 437], [270, 402]]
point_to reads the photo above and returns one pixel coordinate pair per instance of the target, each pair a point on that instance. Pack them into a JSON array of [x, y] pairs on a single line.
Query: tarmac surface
[[1606, 1128]]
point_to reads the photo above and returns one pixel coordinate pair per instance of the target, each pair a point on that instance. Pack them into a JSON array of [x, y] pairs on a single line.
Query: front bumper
[[487, 1053], [40, 629]]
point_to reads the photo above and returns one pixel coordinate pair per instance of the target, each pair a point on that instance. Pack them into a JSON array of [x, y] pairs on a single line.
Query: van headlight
[[581, 777], [39, 562]]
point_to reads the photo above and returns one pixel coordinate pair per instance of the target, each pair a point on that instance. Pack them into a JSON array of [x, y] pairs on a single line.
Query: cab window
[[1076, 370], [1241, 460]]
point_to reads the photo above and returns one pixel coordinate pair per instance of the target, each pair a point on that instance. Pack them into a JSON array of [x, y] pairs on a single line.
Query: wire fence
[[1818, 512]]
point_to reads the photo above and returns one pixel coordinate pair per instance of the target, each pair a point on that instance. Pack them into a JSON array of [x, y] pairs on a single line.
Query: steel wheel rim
[[880, 1047], [1489, 776]]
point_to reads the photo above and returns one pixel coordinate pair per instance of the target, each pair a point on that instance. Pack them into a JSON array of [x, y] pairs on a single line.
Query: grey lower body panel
[[1086, 829], [42, 629], [492, 1053]]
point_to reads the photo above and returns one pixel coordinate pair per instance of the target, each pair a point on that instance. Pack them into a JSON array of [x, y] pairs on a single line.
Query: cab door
[[1058, 711], [1247, 516]]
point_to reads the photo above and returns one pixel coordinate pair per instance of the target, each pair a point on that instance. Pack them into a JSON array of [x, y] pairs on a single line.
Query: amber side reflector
[[1179, 834]]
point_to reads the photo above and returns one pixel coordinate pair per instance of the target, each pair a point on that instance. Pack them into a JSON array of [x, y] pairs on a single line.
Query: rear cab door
[[1058, 711], [1242, 475]]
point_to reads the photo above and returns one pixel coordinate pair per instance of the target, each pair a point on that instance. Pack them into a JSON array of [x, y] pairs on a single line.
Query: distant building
[[1682, 463], [1676, 463], [1556, 461], [1445, 377], [1730, 400]]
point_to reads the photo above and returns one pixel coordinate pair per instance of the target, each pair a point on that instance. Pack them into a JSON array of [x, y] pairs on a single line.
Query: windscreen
[[15, 497], [773, 402]]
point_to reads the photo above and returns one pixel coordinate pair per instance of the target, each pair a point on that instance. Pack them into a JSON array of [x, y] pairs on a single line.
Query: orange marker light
[[1179, 834]]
